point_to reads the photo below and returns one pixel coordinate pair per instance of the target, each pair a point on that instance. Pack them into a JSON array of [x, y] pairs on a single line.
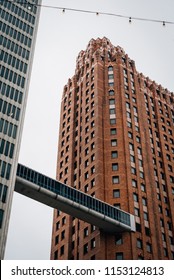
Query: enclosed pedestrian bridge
[[71, 201]]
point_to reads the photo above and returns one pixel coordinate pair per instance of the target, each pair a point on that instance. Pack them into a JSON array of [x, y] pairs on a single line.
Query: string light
[[93, 12]]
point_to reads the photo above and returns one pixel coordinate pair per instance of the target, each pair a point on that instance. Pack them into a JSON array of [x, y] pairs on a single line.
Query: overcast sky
[[61, 36]]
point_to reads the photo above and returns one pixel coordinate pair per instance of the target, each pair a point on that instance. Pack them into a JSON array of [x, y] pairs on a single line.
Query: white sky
[[61, 36]]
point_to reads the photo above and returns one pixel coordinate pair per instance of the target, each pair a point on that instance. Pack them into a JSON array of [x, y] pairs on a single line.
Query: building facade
[[18, 25], [116, 143]]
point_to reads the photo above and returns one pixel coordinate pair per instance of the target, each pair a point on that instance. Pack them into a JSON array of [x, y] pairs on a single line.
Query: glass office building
[[18, 26]]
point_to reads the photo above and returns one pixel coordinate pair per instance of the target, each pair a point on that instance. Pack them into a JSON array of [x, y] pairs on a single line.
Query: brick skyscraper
[[116, 143]]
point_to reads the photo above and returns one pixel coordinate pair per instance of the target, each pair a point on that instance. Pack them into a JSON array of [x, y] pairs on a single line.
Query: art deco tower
[[18, 25], [116, 143]]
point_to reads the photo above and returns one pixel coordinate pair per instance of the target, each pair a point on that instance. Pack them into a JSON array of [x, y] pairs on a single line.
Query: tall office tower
[[18, 25], [116, 143]]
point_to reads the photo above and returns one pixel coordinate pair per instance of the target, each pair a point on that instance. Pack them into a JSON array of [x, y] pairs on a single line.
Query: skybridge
[[71, 201]]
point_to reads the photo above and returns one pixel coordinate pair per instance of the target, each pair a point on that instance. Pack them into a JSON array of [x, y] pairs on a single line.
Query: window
[[62, 234], [92, 183], [1, 217], [131, 147], [86, 151], [113, 131], [144, 201], [115, 179], [56, 255], [57, 225], [111, 101], [117, 205], [62, 250], [118, 239], [92, 124], [112, 121], [127, 105], [56, 239], [113, 142], [133, 170], [112, 111], [132, 158], [135, 197], [93, 243], [86, 188], [119, 256], [111, 92], [110, 69], [92, 146], [93, 170], [138, 227], [86, 175], [86, 232], [143, 188], [86, 163], [138, 139], [149, 247], [145, 216], [130, 135], [63, 221], [139, 244], [116, 193], [129, 124], [137, 212], [114, 166], [165, 252], [92, 134], [110, 77], [134, 183], [85, 249], [93, 257], [114, 154], [128, 115], [93, 157]]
